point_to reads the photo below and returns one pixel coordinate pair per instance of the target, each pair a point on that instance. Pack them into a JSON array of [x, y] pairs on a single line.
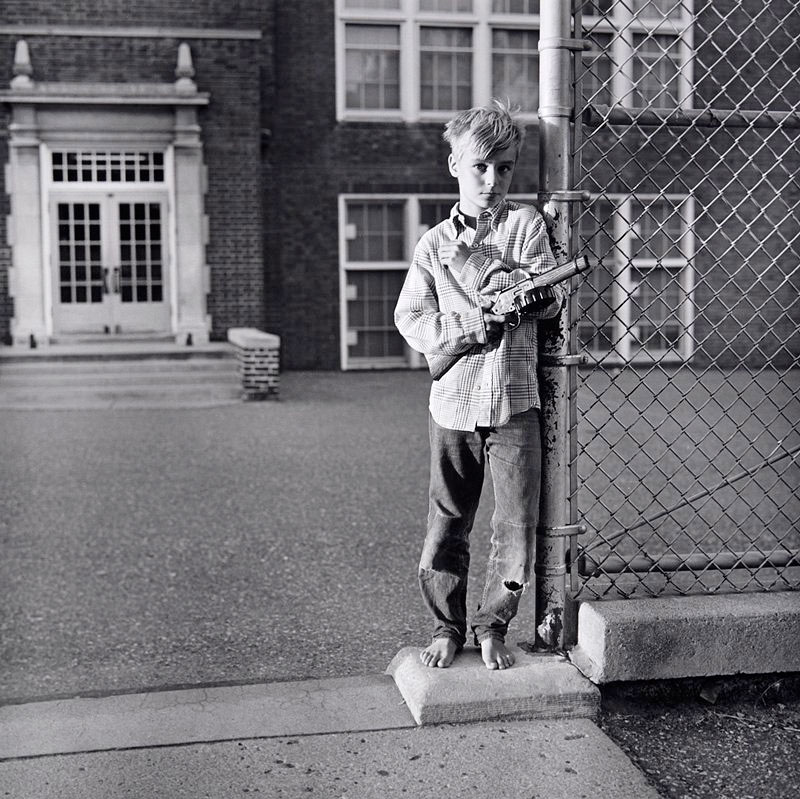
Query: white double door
[[109, 258]]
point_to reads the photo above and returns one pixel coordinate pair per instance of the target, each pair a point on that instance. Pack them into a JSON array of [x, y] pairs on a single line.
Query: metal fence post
[[555, 199]]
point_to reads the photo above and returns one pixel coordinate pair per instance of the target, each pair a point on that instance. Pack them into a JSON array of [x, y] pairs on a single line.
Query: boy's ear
[[452, 165]]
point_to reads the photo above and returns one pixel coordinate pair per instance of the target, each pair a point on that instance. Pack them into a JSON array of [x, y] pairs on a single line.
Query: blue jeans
[[458, 460]]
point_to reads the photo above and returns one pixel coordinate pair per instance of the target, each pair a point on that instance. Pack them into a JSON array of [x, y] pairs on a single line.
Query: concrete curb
[[538, 686], [675, 637], [197, 715]]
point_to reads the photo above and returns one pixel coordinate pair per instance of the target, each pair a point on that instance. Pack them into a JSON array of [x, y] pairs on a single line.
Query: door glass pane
[[141, 267], [80, 269]]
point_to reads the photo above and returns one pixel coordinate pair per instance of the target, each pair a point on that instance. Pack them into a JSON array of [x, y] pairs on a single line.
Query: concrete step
[[538, 686], [67, 372], [133, 374]]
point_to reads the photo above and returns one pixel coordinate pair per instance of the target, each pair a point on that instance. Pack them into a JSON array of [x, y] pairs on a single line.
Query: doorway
[[109, 254]]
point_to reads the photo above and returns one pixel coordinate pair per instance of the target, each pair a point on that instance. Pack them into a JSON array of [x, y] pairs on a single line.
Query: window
[[377, 239], [656, 70], [637, 303], [375, 247], [373, 66], [411, 60], [423, 59], [81, 166], [640, 53], [445, 68], [515, 67]]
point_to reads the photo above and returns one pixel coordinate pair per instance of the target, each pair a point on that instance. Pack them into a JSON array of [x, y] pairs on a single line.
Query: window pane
[[655, 310], [655, 71], [372, 65], [372, 4], [515, 6], [370, 314], [446, 5], [596, 84], [657, 9], [658, 230], [515, 67], [379, 231], [445, 68], [595, 295]]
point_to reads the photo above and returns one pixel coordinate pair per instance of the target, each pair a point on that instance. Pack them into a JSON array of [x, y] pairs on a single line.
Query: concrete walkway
[[348, 737]]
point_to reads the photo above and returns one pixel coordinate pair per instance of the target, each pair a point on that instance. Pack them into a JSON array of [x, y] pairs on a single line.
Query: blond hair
[[488, 129]]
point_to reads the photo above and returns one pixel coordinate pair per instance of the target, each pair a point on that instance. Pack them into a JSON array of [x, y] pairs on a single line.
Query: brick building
[[174, 169]]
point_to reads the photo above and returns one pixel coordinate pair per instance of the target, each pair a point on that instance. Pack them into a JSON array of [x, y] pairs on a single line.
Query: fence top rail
[[596, 115]]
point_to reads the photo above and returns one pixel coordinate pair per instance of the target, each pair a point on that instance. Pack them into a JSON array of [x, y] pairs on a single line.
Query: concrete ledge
[[258, 354], [674, 637], [536, 687]]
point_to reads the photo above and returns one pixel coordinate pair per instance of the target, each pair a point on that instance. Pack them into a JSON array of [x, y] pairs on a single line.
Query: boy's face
[[482, 181]]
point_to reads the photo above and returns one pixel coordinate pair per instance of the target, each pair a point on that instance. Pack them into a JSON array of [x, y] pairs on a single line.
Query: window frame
[[622, 261], [622, 24], [481, 20]]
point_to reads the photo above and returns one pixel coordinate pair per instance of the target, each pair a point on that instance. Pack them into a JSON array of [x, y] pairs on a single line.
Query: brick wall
[[141, 13], [237, 73]]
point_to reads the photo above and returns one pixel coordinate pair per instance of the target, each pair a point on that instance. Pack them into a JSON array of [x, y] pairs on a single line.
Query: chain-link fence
[[685, 439]]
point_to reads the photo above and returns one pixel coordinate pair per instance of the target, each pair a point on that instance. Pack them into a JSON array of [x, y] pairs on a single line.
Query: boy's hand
[[492, 322], [453, 254]]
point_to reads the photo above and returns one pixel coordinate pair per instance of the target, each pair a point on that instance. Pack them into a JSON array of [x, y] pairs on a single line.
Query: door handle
[[115, 287], [105, 281]]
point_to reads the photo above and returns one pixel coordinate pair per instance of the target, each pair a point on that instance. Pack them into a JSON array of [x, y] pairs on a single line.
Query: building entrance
[[109, 258]]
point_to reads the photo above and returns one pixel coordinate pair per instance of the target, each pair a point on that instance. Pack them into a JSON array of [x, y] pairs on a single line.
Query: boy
[[486, 407]]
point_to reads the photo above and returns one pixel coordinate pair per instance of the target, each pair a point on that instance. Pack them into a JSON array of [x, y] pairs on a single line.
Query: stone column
[[27, 283]]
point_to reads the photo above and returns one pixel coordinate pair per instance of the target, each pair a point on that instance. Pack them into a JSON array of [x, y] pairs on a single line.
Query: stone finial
[[23, 69], [184, 71]]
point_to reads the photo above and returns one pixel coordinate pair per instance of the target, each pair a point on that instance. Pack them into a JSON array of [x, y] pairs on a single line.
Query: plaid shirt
[[438, 312]]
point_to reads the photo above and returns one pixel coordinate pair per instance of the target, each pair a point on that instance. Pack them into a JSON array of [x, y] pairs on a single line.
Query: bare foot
[[496, 654], [440, 653]]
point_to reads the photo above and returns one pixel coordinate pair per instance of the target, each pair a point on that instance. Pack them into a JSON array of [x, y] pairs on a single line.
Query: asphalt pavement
[[155, 548]]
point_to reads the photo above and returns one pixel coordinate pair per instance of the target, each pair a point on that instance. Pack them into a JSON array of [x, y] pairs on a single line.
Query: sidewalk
[[137, 538], [345, 737]]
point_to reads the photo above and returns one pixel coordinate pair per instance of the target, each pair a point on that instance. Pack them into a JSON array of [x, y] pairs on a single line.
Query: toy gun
[[512, 303]]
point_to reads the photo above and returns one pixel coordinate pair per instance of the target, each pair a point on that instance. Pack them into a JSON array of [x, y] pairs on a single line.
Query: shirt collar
[[496, 215]]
